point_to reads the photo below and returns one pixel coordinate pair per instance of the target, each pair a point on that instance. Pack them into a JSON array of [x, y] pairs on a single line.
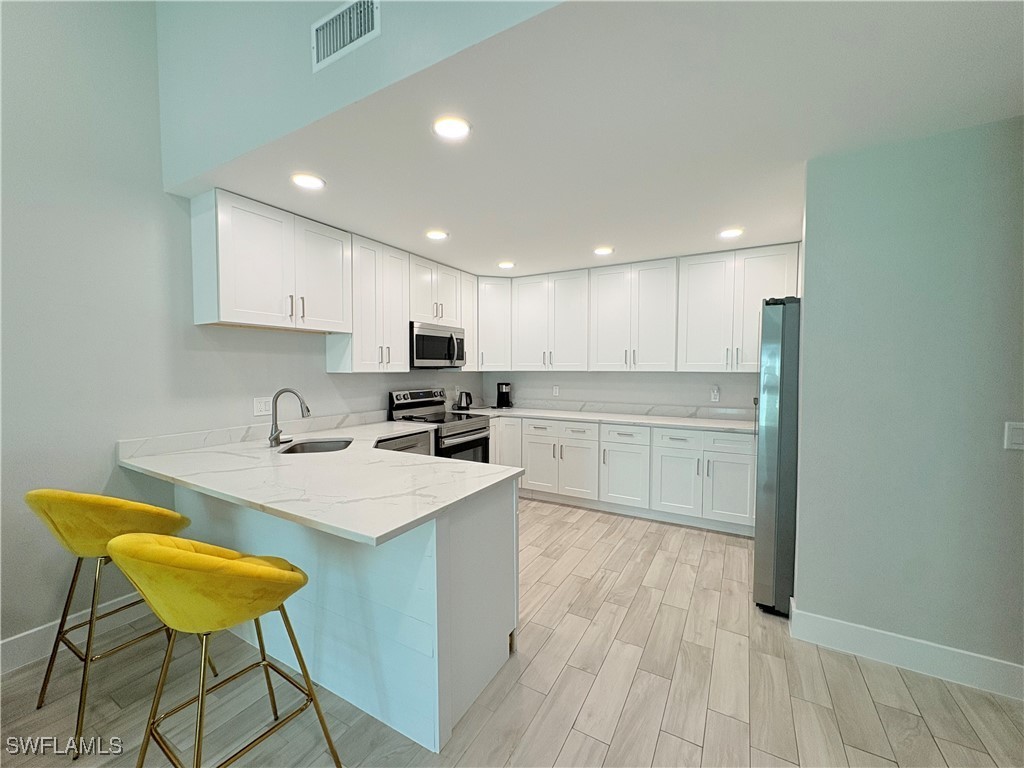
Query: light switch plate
[[261, 406], [1013, 436], [716, 395], [554, 391]]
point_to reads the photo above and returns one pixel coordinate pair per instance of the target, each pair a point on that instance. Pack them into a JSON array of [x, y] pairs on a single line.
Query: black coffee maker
[[504, 395]]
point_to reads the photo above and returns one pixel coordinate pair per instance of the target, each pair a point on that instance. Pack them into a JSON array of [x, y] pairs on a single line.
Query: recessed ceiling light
[[437, 234], [506, 265], [604, 250], [729, 234], [451, 128], [308, 181]]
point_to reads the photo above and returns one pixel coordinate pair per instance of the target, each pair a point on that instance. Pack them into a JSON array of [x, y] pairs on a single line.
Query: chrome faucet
[[275, 431]]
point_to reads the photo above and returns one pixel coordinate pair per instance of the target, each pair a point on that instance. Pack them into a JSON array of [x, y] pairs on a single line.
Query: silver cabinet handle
[[698, 467], [561, 452], [604, 456], [543, 358], [726, 358], [578, 431], [537, 426], [709, 468], [380, 355], [737, 358], [291, 305], [302, 299], [551, 358], [626, 434], [435, 309], [442, 309], [679, 439], [388, 360], [481, 359], [553, 449], [634, 358], [625, 357]]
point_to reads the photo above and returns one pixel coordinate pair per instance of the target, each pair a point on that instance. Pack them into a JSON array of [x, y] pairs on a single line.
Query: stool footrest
[[169, 751]]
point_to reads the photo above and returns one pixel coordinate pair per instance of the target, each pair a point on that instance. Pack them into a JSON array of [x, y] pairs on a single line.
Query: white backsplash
[[655, 394]]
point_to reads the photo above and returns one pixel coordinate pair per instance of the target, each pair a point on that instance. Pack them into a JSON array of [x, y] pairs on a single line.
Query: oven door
[[472, 446], [435, 346]]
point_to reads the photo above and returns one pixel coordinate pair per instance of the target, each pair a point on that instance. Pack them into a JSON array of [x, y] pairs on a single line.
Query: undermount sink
[[318, 446]]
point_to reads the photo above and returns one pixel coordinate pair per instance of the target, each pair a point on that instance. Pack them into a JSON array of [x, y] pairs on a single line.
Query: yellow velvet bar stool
[[202, 588], [84, 523]]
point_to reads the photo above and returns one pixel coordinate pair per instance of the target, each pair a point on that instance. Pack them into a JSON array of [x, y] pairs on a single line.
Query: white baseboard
[[953, 664], [35, 644], [646, 514]]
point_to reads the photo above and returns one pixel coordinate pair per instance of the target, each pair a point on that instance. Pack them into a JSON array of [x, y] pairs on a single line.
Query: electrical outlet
[[715, 395], [554, 391], [261, 406]]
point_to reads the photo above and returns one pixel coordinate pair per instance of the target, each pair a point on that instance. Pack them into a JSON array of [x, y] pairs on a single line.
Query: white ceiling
[[649, 126]]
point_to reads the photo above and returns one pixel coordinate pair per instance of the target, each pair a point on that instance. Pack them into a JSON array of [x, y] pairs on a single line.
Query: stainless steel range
[[463, 436]]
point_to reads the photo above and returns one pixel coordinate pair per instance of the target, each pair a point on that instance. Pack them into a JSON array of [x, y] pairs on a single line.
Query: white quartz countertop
[[361, 493], [632, 419]]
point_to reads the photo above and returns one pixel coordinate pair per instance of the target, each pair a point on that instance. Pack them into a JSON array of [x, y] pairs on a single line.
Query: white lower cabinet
[[577, 468], [729, 487], [626, 474], [676, 482], [507, 441], [540, 460]]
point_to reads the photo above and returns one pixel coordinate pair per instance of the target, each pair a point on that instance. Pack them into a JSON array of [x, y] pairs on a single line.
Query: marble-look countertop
[[361, 493], [634, 420]]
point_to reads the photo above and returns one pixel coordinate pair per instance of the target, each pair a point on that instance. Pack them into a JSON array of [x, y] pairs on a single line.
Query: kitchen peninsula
[[412, 559]]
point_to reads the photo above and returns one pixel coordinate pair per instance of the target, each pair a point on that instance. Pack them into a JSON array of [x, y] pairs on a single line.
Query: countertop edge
[[633, 420]]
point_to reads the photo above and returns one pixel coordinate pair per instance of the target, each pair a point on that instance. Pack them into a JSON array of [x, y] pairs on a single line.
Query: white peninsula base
[[410, 631]]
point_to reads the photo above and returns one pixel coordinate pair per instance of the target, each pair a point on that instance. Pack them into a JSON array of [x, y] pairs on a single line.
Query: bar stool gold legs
[[307, 689], [60, 634]]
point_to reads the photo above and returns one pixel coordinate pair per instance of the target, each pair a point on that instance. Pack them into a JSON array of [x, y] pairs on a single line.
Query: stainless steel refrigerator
[[777, 422]]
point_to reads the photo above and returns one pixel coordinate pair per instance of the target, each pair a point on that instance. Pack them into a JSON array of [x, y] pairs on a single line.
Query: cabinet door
[[610, 317], [729, 488], [256, 268], [653, 326], [568, 321], [761, 273], [626, 474], [395, 312], [448, 288], [367, 305], [494, 323], [676, 480], [530, 323], [422, 290], [540, 460], [323, 277], [510, 440], [578, 463], [467, 301], [705, 312]]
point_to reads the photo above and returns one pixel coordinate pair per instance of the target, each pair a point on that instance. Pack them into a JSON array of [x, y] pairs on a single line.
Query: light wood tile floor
[[639, 645]]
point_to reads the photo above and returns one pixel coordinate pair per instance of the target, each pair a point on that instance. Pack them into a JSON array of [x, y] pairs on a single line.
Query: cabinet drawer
[[621, 433], [729, 442], [678, 438], [578, 430], [540, 427]]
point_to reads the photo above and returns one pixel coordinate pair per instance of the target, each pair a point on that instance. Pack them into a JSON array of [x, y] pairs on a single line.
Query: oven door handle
[[447, 442]]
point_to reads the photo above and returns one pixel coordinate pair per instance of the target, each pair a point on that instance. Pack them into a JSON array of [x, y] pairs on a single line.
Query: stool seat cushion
[[84, 522], [197, 587]]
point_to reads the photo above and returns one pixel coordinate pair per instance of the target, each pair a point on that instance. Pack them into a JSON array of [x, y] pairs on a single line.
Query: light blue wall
[[910, 510], [236, 75]]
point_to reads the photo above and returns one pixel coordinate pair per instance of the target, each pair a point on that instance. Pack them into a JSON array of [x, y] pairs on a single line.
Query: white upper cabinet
[[494, 323], [705, 312], [568, 320], [467, 303], [434, 292], [610, 302], [761, 273], [549, 322], [379, 341], [323, 277], [530, 323], [720, 299], [633, 317], [258, 265]]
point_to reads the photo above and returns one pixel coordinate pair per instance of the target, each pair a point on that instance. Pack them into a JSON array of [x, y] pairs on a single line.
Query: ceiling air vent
[[344, 30]]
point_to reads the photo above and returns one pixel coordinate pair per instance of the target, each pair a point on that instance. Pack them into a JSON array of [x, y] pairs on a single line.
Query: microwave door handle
[[455, 349]]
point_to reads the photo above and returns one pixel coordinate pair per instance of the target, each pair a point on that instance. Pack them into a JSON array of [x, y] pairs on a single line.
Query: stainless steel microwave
[[436, 346]]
